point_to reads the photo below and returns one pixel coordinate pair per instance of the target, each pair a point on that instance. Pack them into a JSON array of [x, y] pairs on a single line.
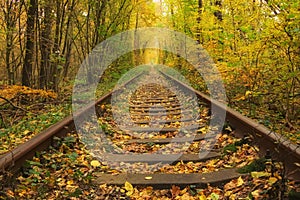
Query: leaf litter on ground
[[66, 171]]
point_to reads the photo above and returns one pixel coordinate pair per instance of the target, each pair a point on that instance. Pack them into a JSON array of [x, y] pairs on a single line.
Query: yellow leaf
[[240, 181], [256, 193], [61, 182], [202, 197], [95, 163], [182, 192], [23, 193], [228, 193], [242, 98], [228, 128], [233, 197], [272, 180], [248, 93], [70, 182], [203, 130], [129, 188], [71, 188], [259, 174]]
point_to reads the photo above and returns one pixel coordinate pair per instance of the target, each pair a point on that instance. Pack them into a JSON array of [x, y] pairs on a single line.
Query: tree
[[12, 12], [46, 44], [29, 47]]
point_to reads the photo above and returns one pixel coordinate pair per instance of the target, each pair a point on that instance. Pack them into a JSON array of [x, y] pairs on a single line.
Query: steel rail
[[281, 148], [13, 160]]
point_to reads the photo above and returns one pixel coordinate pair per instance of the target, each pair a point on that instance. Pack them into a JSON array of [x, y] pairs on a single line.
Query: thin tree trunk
[[10, 20], [135, 54], [46, 44], [29, 47], [54, 72], [68, 43], [20, 39], [199, 30]]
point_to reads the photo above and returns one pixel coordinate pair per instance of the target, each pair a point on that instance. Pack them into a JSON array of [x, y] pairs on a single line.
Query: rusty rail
[[282, 149], [13, 160]]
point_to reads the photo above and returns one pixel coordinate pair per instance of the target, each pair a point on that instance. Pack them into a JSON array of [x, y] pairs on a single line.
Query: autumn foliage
[[15, 93]]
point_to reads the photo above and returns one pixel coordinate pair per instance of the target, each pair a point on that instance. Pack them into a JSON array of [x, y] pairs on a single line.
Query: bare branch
[[13, 105]]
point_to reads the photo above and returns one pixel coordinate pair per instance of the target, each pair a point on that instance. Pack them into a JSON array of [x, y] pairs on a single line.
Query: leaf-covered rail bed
[[158, 141]]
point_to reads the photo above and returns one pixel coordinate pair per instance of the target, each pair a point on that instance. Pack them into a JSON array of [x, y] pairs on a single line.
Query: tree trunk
[[100, 5], [9, 28], [54, 68], [218, 13], [29, 51], [11, 17], [136, 53], [68, 43], [46, 45], [199, 34]]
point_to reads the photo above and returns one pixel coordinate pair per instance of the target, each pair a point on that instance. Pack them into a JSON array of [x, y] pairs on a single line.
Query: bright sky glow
[[163, 6]]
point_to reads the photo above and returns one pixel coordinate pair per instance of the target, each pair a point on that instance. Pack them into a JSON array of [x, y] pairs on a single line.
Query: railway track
[[156, 135]]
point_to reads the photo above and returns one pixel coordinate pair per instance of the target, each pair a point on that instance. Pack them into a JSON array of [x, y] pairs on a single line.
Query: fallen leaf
[[203, 130], [129, 188], [175, 191], [272, 180], [256, 193], [10, 193], [298, 164], [259, 174], [202, 197], [248, 93], [95, 163], [240, 182], [70, 182], [214, 196]]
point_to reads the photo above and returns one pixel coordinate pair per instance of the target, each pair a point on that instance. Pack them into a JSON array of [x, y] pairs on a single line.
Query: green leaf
[[290, 16], [34, 163], [214, 196]]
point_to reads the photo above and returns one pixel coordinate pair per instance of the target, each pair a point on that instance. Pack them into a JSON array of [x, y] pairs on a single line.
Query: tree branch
[[13, 105]]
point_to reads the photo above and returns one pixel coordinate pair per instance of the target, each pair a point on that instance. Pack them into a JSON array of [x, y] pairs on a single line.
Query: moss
[[233, 147], [256, 165], [229, 148]]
